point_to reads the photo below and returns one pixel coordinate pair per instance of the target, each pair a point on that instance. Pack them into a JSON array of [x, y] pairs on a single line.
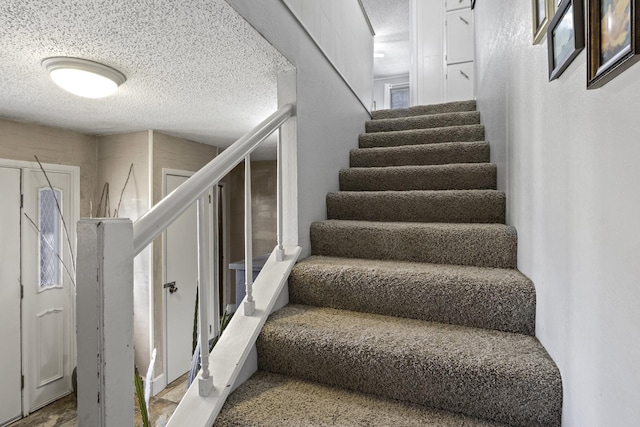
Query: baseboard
[[158, 384]]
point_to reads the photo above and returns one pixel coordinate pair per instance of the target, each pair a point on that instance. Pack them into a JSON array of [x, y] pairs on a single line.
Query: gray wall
[[329, 116], [263, 213], [21, 141], [115, 154], [342, 31], [568, 159]]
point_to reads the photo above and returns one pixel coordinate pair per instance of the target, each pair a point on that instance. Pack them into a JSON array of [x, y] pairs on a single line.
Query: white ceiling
[[195, 68], [390, 21]]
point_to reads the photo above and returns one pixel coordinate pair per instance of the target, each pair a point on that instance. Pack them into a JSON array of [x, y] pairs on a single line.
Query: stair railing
[[106, 250]]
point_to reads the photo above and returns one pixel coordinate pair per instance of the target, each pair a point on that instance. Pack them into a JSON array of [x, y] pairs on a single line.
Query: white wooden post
[[104, 306], [249, 304], [205, 382]]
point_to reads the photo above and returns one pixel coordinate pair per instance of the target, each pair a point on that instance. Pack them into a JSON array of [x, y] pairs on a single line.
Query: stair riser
[[432, 154], [487, 207], [437, 297], [401, 374], [449, 107], [459, 177], [426, 136], [423, 122], [437, 245]]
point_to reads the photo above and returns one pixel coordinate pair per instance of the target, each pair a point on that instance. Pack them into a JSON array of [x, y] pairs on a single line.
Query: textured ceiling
[[390, 21], [194, 68]]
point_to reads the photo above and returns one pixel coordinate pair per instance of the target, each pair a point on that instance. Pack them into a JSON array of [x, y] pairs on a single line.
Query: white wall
[[568, 159], [329, 115], [378, 88], [341, 30]]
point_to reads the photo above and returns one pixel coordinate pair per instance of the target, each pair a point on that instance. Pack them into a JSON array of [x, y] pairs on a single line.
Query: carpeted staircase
[[410, 311]]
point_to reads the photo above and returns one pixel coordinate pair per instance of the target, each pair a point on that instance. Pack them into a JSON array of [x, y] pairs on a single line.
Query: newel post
[[104, 307]]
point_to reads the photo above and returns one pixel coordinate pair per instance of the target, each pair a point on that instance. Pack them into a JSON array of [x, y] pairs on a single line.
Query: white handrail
[[108, 247], [157, 219]]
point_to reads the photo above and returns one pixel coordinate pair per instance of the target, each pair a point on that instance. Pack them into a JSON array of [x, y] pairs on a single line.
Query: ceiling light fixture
[[83, 77]]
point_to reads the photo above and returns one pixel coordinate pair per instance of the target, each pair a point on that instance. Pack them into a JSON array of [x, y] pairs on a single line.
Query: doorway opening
[[180, 258]]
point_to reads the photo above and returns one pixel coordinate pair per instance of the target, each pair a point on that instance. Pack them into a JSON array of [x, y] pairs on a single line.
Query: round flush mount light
[[82, 77]]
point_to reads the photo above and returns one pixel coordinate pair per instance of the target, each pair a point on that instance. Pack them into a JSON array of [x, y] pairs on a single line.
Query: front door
[[10, 366], [49, 219]]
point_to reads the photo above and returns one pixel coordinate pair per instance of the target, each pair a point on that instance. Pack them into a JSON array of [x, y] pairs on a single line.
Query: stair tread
[[422, 193], [423, 154], [459, 176], [422, 136], [485, 245], [473, 206], [493, 298], [425, 109], [273, 399], [483, 373], [423, 121], [388, 225], [449, 166]]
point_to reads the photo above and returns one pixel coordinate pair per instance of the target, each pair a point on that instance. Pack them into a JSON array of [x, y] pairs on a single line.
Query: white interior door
[[10, 366], [181, 264], [48, 312]]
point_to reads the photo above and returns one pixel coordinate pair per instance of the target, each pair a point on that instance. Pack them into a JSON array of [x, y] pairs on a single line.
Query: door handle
[[463, 20], [172, 287], [463, 75]]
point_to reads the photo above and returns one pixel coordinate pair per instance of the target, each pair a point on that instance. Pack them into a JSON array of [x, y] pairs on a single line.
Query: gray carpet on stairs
[[490, 298], [424, 122], [410, 312], [483, 373], [463, 176], [422, 136], [471, 206], [482, 245], [269, 399], [419, 110], [425, 154]]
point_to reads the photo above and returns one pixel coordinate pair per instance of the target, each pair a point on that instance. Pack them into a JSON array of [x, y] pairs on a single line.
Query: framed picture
[[565, 36], [542, 14], [613, 39]]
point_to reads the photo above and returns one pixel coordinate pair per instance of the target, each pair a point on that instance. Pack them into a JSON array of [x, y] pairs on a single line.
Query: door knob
[[172, 287]]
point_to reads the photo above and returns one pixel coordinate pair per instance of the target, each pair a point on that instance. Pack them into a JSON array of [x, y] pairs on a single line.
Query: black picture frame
[[565, 36], [604, 60]]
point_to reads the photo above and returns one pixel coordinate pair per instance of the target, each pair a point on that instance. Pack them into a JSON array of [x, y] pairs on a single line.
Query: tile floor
[[63, 412]]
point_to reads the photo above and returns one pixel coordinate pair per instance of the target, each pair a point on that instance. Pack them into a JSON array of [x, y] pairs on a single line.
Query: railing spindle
[[216, 260], [249, 304], [279, 248], [205, 383]]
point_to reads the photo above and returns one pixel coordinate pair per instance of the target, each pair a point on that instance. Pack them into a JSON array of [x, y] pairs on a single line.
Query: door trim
[[11, 372], [74, 171]]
